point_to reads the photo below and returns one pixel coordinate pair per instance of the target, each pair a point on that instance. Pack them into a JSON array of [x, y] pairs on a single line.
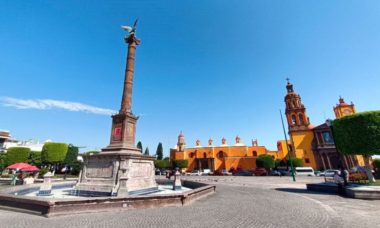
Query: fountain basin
[[16, 197]]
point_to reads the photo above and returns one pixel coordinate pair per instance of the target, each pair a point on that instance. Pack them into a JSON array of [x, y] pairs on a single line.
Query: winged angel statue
[[131, 30]]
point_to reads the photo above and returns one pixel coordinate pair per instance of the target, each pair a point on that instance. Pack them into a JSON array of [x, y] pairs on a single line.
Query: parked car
[[243, 173], [304, 171], [317, 173], [331, 172], [194, 173], [226, 173], [206, 172], [260, 172], [216, 173], [274, 173]]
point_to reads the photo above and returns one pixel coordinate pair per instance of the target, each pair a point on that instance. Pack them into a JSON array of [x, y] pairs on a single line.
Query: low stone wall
[[352, 191], [54, 207], [363, 193]]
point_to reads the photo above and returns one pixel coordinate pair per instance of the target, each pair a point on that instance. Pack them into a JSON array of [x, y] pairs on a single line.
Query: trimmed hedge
[[17, 154], [54, 152]]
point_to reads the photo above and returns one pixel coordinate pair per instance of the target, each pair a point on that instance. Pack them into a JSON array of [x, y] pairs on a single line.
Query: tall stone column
[[126, 102], [124, 123]]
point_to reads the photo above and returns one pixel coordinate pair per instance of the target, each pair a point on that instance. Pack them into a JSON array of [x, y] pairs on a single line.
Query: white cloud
[[44, 104]]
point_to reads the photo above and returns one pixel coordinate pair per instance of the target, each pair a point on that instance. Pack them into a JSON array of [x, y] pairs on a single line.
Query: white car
[[194, 173], [304, 171]]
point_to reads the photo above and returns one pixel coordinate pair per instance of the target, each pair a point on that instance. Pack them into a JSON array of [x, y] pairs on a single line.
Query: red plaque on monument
[[116, 136]]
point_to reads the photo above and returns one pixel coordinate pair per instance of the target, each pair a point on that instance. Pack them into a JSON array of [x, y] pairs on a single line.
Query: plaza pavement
[[238, 202]]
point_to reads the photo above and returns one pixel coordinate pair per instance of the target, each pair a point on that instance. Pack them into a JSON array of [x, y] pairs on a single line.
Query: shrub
[[180, 164], [17, 154], [265, 161]]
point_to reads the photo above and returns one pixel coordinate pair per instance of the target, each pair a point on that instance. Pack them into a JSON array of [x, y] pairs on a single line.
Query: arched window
[[220, 154], [302, 119], [204, 155], [191, 155], [294, 120], [254, 153]]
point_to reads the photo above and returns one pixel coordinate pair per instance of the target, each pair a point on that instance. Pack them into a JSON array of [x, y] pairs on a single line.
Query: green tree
[[297, 162], [17, 154], [180, 164], [167, 158], [3, 160], [159, 151], [53, 153], [71, 156], [35, 158], [265, 161], [358, 134], [139, 145], [146, 151], [161, 164]]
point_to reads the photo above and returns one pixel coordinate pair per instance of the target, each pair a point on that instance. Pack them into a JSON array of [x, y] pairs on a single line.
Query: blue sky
[[208, 68]]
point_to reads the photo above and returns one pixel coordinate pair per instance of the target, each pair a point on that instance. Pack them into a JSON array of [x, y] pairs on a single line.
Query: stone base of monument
[[120, 173]]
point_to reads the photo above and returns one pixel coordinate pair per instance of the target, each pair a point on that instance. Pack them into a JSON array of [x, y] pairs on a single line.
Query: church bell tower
[[295, 111]]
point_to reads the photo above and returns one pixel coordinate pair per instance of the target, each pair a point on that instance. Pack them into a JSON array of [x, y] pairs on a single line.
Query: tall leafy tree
[[159, 152], [297, 162], [265, 161], [35, 158], [146, 151], [139, 145], [71, 156], [17, 154], [53, 153], [359, 134], [180, 163]]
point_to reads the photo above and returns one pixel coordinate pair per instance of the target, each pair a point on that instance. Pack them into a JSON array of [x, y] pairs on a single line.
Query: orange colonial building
[[219, 157]]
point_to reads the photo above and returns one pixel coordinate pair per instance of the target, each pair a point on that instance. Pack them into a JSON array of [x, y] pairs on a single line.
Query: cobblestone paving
[[238, 202]]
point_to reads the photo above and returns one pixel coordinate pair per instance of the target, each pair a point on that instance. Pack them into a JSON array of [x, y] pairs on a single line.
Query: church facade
[[315, 144], [219, 157]]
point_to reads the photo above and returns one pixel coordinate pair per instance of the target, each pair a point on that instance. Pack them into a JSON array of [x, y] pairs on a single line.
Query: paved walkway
[[238, 202]]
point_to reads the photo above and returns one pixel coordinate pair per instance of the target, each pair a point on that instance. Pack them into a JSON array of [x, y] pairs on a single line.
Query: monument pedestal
[[116, 174]]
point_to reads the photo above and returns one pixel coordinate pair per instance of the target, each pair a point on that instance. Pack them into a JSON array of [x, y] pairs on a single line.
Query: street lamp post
[[287, 146]]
